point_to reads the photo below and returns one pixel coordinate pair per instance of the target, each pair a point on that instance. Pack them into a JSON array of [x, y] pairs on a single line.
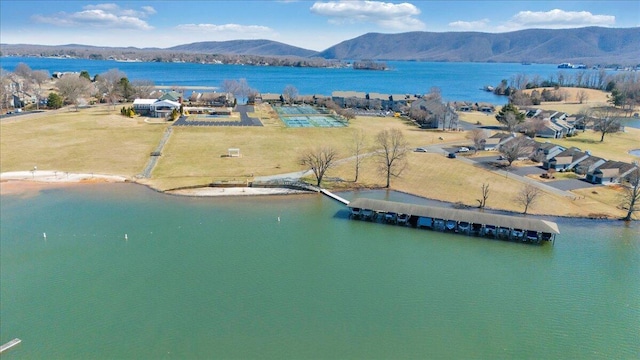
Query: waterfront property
[[464, 222], [155, 107]]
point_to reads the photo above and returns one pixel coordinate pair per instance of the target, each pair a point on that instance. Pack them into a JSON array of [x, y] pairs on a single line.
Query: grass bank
[[99, 140]]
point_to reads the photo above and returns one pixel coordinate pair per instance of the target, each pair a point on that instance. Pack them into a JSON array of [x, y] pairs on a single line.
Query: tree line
[[624, 87]]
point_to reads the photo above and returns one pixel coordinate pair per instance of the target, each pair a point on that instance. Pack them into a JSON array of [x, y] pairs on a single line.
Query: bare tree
[[516, 148], [528, 196], [5, 93], [109, 85], [72, 87], [533, 126], [393, 153], [23, 70], [319, 160], [479, 138], [290, 93], [582, 96], [239, 88], [605, 122], [631, 196], [142, 89], [39, 77], [485, 195], [357, 147]]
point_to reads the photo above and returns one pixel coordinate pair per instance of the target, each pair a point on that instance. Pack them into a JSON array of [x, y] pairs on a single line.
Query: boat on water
[[571, 66]]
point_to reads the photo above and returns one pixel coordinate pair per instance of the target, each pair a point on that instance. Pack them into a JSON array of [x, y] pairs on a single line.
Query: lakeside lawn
[[99, 140], [92, 140], [197, 155]]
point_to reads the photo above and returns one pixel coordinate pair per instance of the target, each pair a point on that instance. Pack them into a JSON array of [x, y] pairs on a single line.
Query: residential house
[[485, 108], [588, 165], [610, 172], [155, 107], [349, 99], [143, 106], [532, 113], [171, 96], [379, 101], [270, 98], [401, 101], [494, 142], [550, 131], [463, 106], [527, 145], [545, 151], [565, 160], [435, 117]]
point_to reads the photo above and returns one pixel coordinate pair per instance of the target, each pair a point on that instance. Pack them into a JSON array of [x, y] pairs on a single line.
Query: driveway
[[572, 184], [526, 170]]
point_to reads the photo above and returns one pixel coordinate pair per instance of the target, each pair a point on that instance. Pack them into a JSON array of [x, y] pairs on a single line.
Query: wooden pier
[[8, 346], [334, 196]]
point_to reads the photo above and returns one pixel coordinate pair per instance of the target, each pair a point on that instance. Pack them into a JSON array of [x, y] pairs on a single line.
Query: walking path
[[153, 159]]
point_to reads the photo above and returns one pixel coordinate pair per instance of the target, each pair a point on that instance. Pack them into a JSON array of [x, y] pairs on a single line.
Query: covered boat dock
[[465, 222]]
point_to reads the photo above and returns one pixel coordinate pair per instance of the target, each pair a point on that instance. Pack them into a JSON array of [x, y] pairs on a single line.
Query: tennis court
[[306, 116]]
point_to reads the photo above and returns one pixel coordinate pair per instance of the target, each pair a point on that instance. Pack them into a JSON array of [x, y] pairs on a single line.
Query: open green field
[[615, 146], [99, 140], [197, 155]]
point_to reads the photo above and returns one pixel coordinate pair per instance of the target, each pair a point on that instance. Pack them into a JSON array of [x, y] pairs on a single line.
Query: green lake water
[[223, 278]]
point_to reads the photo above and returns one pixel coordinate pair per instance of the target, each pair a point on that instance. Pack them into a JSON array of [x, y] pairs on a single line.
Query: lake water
[[457, 81], [222, 278]]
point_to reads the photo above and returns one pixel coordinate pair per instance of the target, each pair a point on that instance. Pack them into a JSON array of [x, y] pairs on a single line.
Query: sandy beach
[[23, 182]]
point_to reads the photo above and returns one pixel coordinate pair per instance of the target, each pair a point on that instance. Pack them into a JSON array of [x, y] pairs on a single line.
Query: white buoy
[[278, 218], [44, 235], [126, 237]]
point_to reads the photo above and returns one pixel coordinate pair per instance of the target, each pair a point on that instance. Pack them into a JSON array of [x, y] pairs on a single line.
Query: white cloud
[[387, 15], [557, 19], [102, 16], [227, 28], [149, 9], [470, 25]]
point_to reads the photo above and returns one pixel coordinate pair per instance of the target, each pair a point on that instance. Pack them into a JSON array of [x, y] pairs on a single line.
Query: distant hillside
[[589, 45], [245, 47]]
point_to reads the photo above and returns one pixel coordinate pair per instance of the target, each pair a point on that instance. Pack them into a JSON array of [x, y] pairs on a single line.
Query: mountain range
[[589, 45]]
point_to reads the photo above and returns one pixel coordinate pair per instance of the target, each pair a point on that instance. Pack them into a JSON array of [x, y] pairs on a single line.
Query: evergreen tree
[[54, 101], [510, 116]]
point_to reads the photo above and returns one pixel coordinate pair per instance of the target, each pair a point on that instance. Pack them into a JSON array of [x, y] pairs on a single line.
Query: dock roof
[[474, 217]]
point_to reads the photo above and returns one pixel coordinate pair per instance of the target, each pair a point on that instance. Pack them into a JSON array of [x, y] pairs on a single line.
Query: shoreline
[[21, 182], [28, 182]]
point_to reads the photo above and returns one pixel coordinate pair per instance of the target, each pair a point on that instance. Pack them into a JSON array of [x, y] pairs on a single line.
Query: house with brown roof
[[588, 165], [610, 172], [565, 160], [547, 150]]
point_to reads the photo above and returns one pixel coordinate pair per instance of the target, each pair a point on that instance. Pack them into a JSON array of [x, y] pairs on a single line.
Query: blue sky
[[314, 25]]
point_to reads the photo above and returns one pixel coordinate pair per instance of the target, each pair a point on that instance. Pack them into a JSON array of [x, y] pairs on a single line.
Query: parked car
[[420, 150], [463, 149], [451, 155]]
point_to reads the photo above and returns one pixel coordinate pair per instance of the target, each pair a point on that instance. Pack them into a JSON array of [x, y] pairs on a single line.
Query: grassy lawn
[[197, 155], [437, 177], [95, 139], [99, 140], [615, 146]]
